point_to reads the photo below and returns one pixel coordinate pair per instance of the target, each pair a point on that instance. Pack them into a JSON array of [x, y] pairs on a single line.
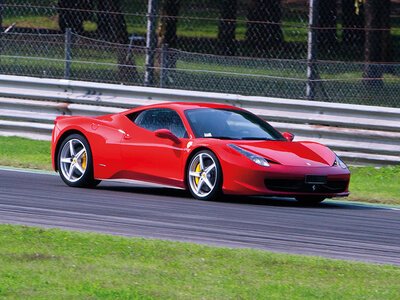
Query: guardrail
[[359, 134]]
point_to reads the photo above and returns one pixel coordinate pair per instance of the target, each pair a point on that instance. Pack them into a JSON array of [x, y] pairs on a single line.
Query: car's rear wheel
[[75, 163], [204, 176], [310, 200]]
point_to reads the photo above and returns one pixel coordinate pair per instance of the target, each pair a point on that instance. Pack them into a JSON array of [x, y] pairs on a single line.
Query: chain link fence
[[322, 50]]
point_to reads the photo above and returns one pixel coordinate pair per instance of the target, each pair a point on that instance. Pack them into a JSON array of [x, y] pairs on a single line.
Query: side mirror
[[289, 136], [167, 134]]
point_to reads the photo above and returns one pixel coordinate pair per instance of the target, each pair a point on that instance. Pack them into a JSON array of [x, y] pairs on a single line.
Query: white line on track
[[31, 171], [363, 204]]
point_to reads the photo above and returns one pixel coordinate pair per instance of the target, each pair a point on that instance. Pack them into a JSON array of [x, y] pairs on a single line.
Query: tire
[[204, 176], [75, 162], [310, 200]]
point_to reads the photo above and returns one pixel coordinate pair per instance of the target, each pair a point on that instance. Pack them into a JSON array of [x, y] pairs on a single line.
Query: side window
[[160, 118]]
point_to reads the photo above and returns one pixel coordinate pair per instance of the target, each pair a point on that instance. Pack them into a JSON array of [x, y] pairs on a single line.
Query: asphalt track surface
[[333, 230]]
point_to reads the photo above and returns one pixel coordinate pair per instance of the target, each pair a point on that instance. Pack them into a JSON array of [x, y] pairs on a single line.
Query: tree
[[227, 26], [377, 40], [1, 16], [73, 13], [111, 22], [327, 18], [353, 23], [111, 26], [167, 28], [264, 26], [1, 25], [168, 23]]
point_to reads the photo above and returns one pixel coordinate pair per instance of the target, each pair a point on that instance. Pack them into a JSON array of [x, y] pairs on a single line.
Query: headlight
[[254, 157], [339, 162]]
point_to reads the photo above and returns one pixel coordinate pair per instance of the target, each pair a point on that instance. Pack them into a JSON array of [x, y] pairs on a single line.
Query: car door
[[149, 157]]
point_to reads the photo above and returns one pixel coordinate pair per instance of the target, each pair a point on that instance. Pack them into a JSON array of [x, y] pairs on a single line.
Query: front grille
[[300, 186]]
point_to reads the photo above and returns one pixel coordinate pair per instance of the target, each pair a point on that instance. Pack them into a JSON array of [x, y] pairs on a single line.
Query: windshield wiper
[[221, 137], [255, 138], [236, 138]]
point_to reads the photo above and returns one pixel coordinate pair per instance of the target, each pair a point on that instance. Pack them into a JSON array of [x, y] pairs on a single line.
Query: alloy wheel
[[73, 160], [203, 174]]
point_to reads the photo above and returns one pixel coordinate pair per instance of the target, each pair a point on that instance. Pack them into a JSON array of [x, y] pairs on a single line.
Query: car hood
[[291, 153]]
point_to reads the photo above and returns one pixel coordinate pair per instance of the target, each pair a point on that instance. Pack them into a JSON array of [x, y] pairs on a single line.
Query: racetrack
[[334, 230]]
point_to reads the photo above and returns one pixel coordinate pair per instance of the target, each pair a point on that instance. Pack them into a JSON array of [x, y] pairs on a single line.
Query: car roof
[[182, 106]]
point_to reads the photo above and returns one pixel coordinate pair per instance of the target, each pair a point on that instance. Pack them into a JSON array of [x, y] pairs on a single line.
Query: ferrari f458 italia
[[209, 149]]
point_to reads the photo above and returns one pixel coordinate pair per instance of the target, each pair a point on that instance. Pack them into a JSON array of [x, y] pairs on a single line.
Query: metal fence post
[[151, 41], [312, 72], [164, 65], [67, 69]]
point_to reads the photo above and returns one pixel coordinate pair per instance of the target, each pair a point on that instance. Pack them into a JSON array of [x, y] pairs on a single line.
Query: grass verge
[[368, 184], [54, 264], [25, 153], [375, 185]]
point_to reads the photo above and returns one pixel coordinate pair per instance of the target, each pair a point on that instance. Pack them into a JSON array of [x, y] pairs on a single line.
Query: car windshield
[[230, 124]]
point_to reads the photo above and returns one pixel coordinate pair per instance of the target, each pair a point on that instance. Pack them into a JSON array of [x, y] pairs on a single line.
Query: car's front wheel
[[204, 176], [75, 163]]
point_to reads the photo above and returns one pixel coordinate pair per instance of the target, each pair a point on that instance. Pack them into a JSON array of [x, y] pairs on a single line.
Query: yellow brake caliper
[[197, 179], [84, 161]]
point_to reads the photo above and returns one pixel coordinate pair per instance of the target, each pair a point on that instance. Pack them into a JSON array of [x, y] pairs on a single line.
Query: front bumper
[[285, 181]]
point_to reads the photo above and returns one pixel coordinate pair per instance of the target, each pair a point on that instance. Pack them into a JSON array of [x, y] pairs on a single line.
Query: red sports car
[[208, 149]]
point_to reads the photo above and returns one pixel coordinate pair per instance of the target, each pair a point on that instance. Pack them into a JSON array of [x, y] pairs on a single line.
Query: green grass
[[375, 185], [294, 30], [368, 184], [29, 21], [25, 153], [54, 264], [100, 64], [101, 61]]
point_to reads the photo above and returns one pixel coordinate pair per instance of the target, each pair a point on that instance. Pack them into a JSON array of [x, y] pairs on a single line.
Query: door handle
[[126, 136]]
